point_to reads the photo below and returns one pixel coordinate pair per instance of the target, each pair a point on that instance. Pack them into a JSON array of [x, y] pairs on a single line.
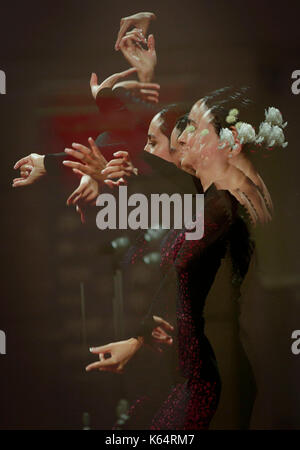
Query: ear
[[237, 145]]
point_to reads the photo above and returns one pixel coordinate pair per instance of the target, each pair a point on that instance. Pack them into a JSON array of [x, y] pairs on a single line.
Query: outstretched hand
[[92, 162], [108, 82], [31, 170], [113, 357], [140, 20]]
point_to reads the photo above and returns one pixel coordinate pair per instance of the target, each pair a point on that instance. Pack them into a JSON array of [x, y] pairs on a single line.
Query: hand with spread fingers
[[92, 162], [110, 81], [140, 21], [31, 170], [143, 59], [119, 168], [160, 333], [113, 357]]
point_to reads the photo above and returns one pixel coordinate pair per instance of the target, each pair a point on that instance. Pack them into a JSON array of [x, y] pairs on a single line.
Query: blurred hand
[[108, 82], [86, 193], [160, 333], [118, 169], [31, 170], [92, 162], [146, 91], [144, 60], [140, 20], [113, 357]]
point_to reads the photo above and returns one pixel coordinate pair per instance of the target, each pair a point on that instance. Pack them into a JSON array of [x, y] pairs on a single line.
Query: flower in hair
[[274, 117], [231, 119], [271, 135], [232, 115], [246, 133], [238, 125], [277, 137], [234, 112], [226, 136], [265, 130]]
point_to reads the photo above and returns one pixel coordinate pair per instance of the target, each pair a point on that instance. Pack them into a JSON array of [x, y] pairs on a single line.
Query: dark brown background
[[48, 50]]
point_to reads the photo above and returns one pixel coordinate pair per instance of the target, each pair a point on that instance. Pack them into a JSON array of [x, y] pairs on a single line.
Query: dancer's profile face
[[176, 149], [200, 142], [157, 143]]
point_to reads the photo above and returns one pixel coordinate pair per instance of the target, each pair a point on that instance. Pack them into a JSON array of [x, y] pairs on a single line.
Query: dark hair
[[171, 115], [182, 123], [221, 101]]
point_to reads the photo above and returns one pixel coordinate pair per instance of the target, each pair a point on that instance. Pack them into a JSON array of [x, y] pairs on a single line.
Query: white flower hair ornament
[[246, 133], [273, 117], [226, 137], [271, 135]]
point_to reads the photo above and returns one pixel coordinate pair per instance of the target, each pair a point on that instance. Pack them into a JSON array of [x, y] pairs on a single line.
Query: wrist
[[146, 76], [138, 341]]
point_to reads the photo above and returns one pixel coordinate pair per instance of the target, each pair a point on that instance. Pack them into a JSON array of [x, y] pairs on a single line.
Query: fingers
[[129, 43], [25, 170], [116, 172], [76, 154], [96, 151], [92, 196], [125, 24], [151, 43], [97, 365], [78, 172], [149, 95], [95, 88], [19, 182], [79, 210], [163, 323], [113, 79], [102, 363], [161, 337], [75, 195], [94, 80], [149, 92], [136, 35], [148, 85], [119, 182], [75, 165], [121, 154], [21, 162], [115, 162], [125, 73]]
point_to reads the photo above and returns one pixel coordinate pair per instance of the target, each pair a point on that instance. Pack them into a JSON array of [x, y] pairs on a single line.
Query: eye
[[190, 128], [151, 143]]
